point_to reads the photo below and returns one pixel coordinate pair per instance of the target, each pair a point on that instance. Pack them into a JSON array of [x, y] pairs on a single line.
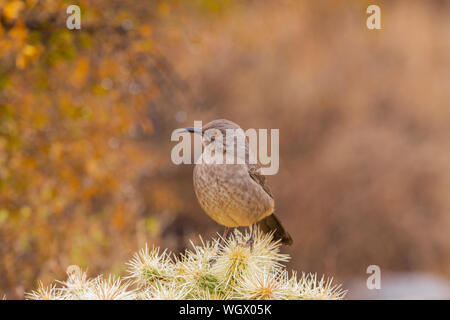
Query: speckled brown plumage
[[236, 195]]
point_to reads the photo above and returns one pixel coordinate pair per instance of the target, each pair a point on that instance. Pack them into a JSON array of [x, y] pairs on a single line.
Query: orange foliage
[[86, 116]]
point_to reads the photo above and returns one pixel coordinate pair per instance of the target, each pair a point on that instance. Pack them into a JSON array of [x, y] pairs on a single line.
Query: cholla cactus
[[45, 293], [266, 285], [165, 291], [149, 267], [110, 289], [77, 286], [213, 270], [236, 260]]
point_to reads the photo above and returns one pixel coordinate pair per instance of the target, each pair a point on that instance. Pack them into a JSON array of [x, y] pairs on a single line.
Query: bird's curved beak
[[191, 129]]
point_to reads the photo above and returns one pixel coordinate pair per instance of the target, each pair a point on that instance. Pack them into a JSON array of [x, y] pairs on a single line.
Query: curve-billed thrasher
[[233, 195]]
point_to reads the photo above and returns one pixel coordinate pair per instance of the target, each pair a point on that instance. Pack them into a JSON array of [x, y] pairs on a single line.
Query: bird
[[234, 194]]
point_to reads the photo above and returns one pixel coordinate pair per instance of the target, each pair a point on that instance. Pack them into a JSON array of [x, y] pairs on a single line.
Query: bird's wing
[[255, 174], [254, 170], [269, 224]]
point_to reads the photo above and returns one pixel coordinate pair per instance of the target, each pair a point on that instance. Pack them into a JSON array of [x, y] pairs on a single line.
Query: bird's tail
[[272, 224]]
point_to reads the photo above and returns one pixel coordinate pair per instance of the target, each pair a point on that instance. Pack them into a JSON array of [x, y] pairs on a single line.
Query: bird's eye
[[213, 138]]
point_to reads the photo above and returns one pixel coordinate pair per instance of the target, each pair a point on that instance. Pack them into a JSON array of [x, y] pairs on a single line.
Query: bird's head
[[214, 133]]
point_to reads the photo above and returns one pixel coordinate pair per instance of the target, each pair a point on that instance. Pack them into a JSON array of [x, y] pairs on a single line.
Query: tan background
[[86, 117]]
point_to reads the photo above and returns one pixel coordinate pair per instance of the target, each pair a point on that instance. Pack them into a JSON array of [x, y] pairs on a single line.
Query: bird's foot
[[218, 247], [212, 260], [250, 243]]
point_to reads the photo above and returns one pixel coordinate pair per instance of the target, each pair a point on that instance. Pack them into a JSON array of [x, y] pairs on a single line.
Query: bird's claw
[[249, 243]]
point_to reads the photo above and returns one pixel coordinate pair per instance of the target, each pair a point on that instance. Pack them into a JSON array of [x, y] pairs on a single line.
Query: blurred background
[[364, 118]]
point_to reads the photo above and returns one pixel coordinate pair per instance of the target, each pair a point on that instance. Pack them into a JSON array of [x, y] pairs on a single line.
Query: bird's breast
[[228, 194]]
